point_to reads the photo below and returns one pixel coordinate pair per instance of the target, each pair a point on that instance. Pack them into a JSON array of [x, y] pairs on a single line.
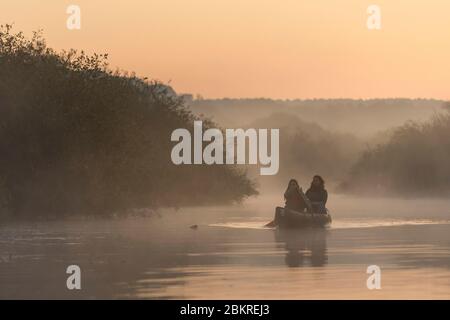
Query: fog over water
[[230, 254], [88, 177], [225, 252]]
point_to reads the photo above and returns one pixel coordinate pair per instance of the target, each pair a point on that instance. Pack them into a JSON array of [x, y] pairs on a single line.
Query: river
[[229, 255]]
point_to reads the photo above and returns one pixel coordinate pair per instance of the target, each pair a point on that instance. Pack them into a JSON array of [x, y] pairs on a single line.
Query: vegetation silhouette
[[379, 147], [306, 148], [413, 162], [79, 138]]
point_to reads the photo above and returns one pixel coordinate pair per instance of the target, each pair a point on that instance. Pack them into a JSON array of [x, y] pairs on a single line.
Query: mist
[[365, 147]]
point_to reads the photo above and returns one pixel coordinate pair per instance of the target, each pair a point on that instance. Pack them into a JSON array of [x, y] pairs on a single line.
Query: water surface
[[231, 256]]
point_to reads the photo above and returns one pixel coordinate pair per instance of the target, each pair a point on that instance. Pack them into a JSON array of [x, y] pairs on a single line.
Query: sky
[[282, 49]]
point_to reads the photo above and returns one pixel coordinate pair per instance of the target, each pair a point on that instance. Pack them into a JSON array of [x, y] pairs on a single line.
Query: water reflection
[[164, 258], [305, 247]]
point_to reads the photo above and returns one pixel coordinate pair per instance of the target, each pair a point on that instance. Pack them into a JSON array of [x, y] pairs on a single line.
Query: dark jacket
[[294, 200], [317, 195]]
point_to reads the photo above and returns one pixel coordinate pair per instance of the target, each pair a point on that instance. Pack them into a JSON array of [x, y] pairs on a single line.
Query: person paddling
[[294, 199], [318, 195]]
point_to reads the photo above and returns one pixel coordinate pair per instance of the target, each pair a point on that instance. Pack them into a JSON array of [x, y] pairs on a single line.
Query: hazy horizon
[[115, 186], [260, 48]]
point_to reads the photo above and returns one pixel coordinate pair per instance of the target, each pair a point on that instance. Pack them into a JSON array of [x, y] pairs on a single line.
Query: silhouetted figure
[[318, 195], [293, 198]]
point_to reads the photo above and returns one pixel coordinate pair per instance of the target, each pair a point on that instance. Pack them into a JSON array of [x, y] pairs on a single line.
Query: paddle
[[271, 224], [307, 201]]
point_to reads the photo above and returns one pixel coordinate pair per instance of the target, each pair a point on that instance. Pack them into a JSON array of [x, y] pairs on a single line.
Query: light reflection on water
[[230, 255], [340, 224]]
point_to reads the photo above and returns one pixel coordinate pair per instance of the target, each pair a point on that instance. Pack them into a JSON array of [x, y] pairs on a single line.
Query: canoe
[[286, 218]]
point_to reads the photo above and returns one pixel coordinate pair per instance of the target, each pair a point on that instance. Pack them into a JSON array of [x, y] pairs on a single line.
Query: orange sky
[[260, 48]]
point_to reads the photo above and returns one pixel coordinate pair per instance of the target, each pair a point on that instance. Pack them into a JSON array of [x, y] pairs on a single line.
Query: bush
[[413, 162], [76, 137]]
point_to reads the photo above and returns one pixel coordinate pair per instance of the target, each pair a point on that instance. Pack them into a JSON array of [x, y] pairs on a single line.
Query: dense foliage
[[414, 161], [78, 138]]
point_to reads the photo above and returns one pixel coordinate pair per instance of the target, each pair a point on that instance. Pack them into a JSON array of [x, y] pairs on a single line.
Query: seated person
[[318, 195], [293, 198]]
